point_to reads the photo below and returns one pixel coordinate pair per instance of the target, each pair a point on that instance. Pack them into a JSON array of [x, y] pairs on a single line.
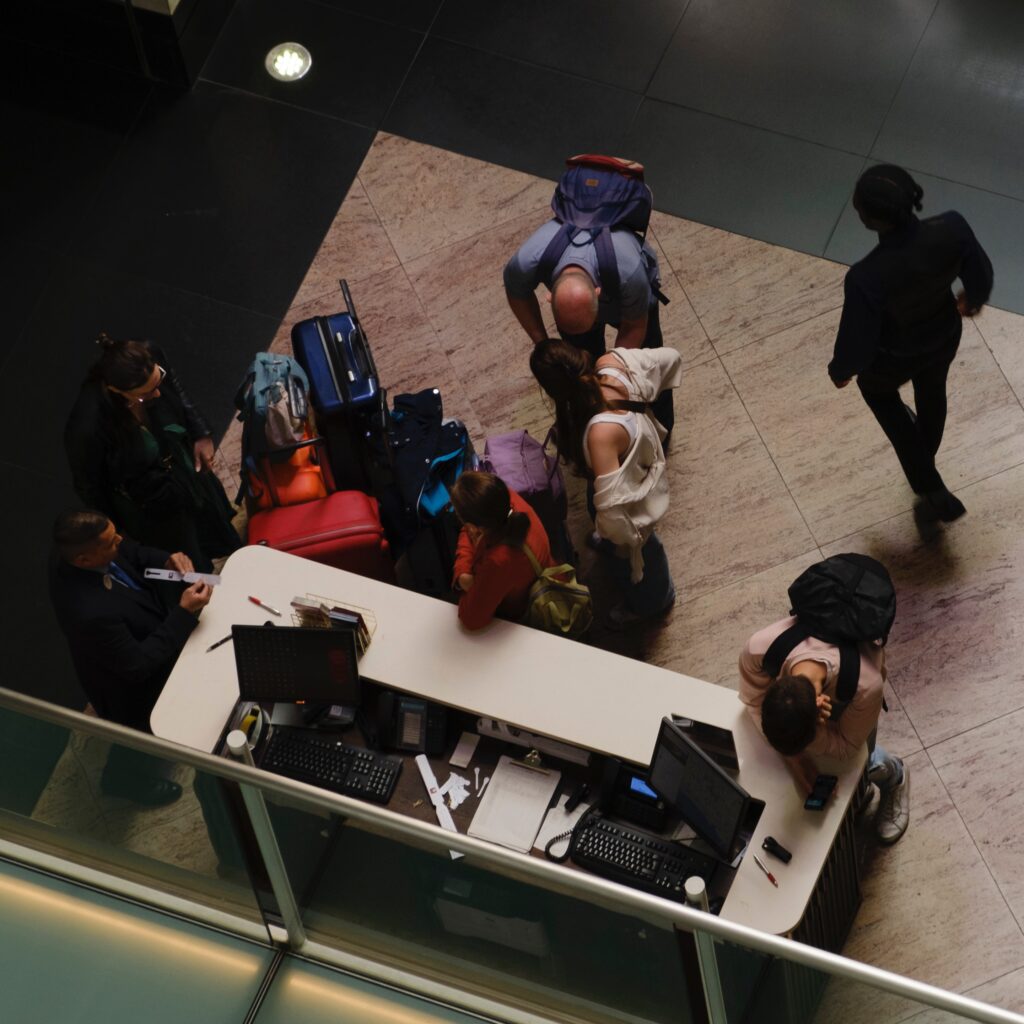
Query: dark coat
[[123, 642], [95, 449]]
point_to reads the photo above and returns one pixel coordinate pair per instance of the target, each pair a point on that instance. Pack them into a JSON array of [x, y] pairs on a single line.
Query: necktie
[[122, 577]]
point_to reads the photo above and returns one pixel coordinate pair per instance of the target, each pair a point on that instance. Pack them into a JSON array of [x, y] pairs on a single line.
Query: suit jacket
[[123, 642]]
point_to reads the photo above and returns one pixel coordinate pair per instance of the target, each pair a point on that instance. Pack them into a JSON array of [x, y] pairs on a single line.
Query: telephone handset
[[593, 814]]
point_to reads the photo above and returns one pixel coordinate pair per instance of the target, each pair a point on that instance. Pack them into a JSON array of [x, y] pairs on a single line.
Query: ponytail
[[483, 500], [887, 193]]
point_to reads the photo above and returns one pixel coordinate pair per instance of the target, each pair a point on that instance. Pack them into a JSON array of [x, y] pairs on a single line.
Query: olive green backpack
[[558, 603]]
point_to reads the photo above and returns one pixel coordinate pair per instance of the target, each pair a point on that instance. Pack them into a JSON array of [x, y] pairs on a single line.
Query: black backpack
[[844, 600]]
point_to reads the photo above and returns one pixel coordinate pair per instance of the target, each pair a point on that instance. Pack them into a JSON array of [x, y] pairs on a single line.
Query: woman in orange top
[[492, 573]]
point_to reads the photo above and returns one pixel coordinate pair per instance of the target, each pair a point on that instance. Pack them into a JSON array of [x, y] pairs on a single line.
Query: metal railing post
[[259, 818], [707, 957]]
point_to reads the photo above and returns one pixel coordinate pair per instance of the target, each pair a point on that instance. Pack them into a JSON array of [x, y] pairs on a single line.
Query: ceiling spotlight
[[288, 62]]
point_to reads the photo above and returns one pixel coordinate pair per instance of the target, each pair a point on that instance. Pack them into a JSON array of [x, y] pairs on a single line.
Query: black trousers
[[593, 342], [915, 444]]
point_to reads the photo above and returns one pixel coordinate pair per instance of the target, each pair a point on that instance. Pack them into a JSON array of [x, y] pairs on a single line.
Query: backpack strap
[[629, 405], [528, 551], [849, 672], [608, 265], [781, 646], [553, 253]]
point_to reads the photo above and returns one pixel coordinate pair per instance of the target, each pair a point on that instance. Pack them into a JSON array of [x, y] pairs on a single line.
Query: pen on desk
[[760, 863], [214, 647], [256, 600]]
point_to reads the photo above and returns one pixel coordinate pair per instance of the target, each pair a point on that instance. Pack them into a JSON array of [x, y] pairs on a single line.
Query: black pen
[[213, 647]]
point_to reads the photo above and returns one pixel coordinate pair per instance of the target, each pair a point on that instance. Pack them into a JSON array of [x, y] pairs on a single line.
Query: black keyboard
[[637, 858], [324, 761]]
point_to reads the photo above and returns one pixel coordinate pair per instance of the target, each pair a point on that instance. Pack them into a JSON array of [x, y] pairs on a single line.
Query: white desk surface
[[566, 690]]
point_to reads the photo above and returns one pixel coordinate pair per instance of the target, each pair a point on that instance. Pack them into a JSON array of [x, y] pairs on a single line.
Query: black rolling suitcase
[[350, 405]]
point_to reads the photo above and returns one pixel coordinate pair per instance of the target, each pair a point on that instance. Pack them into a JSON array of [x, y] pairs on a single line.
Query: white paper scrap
[[464, 751]]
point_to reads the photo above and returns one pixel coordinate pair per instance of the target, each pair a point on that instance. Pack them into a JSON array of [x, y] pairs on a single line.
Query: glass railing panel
[[475, 928], [78, 956], [78, 797], [313, 994]]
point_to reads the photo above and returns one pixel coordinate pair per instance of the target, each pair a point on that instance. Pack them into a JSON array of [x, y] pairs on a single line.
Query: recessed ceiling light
[[288, 62]]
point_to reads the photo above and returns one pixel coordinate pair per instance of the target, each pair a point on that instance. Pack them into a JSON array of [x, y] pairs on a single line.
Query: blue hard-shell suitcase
[[346, 394]]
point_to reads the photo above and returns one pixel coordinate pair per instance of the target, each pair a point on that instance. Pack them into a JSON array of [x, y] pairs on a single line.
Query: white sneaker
[[894, 810]]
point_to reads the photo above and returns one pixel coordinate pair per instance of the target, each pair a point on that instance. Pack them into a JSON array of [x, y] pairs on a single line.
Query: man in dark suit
[[124, 637]]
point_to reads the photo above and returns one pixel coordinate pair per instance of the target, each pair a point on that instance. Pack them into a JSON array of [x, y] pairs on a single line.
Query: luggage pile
[[331, 474]]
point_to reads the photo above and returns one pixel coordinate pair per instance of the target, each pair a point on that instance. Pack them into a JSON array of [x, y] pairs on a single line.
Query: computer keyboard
[[637, 858], [321, 760]]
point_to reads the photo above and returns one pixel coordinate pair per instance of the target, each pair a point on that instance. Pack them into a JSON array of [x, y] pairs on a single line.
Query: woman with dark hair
[[606, 432], [141, 453], [493, 574], [901, 321]]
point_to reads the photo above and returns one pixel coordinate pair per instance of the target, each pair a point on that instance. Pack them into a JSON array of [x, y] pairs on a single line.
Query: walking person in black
[[901, 321]]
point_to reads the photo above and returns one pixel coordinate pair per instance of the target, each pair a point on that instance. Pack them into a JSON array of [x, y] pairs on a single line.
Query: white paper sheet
[[557, 822], [514, 804]]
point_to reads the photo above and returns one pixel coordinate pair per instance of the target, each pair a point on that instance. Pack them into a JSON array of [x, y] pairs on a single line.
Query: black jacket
[[94, 448], [899, 300], [123, 642]]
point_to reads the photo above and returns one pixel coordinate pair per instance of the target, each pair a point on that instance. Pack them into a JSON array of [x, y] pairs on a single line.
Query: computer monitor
[[291, 664], [707, 798]]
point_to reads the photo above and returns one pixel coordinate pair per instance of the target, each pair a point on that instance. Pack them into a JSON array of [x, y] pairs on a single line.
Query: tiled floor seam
[[376, 213], [771, 334], [768, 452], [981, 853]]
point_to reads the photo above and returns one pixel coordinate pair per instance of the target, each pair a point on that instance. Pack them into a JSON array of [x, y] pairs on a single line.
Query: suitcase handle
[[350, 306]]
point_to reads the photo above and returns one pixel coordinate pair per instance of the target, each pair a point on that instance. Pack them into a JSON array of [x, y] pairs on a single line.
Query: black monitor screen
[[292, 664], [685, 777]]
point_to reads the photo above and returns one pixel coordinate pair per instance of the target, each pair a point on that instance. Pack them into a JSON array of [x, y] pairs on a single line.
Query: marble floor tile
[[356, 246], [923, 898], [68, 801], [680, 326], [984, 774], [1004, 334], [731, 515], [1006, 991], [462, 291], [811, 428], [708, 632], [954, 651], [742, 289], [428, 198]]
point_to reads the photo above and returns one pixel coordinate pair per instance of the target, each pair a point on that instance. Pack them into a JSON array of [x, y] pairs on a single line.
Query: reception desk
[[566, 690]]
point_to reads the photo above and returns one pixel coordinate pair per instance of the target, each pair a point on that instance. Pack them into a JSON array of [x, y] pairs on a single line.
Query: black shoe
[[147, 792], [946, 505]]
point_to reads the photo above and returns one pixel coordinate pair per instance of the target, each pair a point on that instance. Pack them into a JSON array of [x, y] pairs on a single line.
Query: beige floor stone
[[959, 594], [984, 774], [428, 198], [919, 896], [1004, 334], [828, 447], [742, 289]]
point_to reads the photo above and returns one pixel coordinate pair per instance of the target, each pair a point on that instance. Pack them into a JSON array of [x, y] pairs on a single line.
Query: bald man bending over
[[580, 309]]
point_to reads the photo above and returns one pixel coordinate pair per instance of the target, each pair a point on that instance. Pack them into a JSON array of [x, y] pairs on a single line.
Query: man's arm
[[527, 312], [860, 329], [975, 275]]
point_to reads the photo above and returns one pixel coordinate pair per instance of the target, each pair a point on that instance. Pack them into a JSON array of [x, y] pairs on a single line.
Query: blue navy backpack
[[599, 194]]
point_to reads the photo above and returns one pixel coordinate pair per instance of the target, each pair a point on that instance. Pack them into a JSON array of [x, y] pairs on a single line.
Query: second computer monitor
[[706, 797], [285, 664]]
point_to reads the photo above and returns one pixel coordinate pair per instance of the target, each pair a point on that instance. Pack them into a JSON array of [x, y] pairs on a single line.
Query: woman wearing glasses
[[142, 453]]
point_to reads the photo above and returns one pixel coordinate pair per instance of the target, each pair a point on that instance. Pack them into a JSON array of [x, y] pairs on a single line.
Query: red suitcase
[[342, 530]]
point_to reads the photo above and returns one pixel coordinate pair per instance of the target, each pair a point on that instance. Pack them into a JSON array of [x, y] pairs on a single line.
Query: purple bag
[[527, 468]]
